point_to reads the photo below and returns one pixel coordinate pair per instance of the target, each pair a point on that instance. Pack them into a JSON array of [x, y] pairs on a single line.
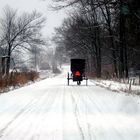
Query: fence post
[[133, 81], [130, 84], [139, 79], [128, 80]]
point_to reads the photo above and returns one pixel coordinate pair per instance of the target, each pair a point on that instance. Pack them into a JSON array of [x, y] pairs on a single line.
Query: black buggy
[[77, 71]]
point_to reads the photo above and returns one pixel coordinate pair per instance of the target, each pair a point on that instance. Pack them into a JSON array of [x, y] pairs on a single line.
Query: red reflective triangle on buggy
[[77, 73]]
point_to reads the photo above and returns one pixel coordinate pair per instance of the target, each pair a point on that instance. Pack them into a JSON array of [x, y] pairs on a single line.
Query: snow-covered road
[[51, 110]]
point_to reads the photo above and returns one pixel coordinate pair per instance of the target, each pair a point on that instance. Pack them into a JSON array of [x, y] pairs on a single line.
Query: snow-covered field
[[51, 110]]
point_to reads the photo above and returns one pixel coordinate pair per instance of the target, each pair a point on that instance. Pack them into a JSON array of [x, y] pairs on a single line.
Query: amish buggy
[[78, 74]]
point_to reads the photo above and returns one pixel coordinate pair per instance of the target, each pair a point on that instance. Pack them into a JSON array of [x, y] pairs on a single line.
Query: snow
[[117, 86], [51, 110], [43, 74]]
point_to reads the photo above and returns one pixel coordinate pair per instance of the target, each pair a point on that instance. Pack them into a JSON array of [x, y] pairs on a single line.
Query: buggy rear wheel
[[68, 79], [78, 82]]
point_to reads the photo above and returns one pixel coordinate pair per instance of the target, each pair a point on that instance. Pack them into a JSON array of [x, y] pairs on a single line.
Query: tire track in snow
[[14, 118], [44, 104], [76, 117], [98, 103], [25, 110], [47, 101], [64, 113], [84, 103]]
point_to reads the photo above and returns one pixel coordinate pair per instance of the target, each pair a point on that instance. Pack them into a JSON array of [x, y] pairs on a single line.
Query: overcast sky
[[54, 19]]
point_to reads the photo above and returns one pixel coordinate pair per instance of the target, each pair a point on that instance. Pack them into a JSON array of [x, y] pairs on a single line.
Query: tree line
[[105, 32]]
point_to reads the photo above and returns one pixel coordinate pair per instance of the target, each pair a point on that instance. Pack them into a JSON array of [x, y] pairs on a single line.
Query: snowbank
[[117, 86]]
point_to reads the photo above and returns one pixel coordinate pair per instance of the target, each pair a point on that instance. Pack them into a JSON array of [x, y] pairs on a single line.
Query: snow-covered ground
[[43, 74], [118, 87], [51, 110]]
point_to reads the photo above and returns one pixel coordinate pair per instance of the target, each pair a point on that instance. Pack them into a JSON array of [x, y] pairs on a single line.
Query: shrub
[[17, 79]]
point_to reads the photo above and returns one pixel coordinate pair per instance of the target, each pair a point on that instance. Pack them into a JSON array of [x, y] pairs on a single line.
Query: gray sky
[[54, 19]]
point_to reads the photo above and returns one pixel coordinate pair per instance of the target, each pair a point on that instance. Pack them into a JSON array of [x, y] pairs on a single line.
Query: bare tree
[[19, 31]]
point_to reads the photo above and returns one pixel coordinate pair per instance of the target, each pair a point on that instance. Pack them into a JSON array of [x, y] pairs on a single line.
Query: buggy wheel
[[78, 82], [86, 81], [68, 79]]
